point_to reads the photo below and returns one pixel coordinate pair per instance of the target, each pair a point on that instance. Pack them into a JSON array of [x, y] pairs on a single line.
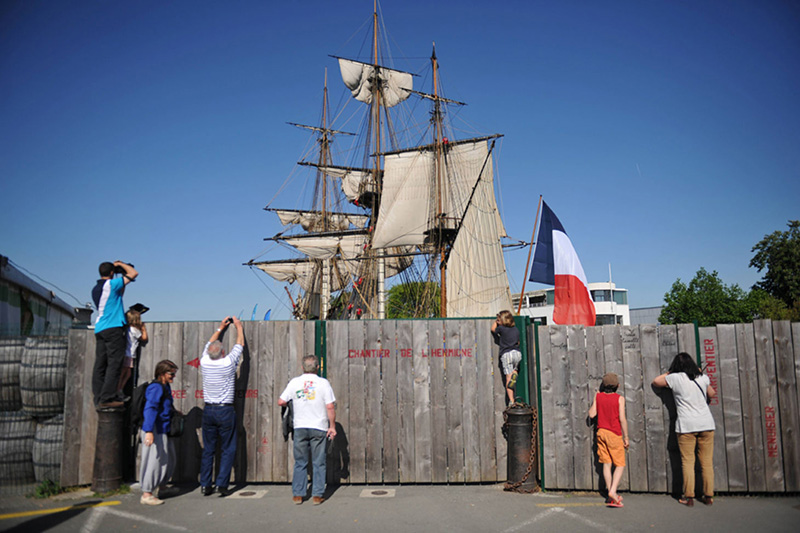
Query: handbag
[[177, 423]]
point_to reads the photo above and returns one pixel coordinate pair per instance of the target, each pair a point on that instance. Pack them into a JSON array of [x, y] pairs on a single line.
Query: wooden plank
[[358, 433], [338, 375], [267, 398], [579, 390], [687, 340], [469, 381], [751, 408], [422, 404], [247, 437], [280, 342], [500, 400], [789, 412], [454, 402], [562, 419], [709, 356], [667, 350], [372, 394], [189, 446], [655, 433], [298, 348], [390, 414], [547, 421], [595, 370], [731, 400], [770, 414], [174, 352], [438, 401], [612, 357], [405, 401], [88, 421], [634, 407], [485, 400], [78, 363]]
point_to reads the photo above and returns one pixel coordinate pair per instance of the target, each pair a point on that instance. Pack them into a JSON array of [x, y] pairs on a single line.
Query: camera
[[119, 270]]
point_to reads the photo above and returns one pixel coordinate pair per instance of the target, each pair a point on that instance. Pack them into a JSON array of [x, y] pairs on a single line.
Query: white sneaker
[[150, 500]]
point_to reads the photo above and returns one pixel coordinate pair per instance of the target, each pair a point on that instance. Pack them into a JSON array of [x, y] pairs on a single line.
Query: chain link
[[516, 487]]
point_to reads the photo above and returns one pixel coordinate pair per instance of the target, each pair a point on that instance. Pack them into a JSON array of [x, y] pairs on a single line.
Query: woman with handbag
[[158, 453], [694, 426]]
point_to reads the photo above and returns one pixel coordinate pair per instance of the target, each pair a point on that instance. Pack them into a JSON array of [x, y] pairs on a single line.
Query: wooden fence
[[417, 401], [754, 367]]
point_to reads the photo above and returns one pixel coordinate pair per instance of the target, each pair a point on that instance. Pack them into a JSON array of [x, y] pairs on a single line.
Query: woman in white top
[[137, 334], [694, 426]]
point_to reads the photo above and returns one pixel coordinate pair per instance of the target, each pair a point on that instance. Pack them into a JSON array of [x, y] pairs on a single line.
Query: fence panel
[[731, 399], [595, 367], [406, 372], [454, 403], [372, 396], [708, 360], [470, 401], [771, 419], [788, 411], [634, 407], [582, 434], [390, 416]]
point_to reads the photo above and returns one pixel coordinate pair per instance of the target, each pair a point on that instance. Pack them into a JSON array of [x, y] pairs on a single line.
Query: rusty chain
[[516, 487]]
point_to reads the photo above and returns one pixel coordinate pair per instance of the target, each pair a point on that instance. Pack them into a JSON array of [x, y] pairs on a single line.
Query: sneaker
[[113, 404], [207, 491], [512, 382], [297, 500], [318, 500], [150, 500]]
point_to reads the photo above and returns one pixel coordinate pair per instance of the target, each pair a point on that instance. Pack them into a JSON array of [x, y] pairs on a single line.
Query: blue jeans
[[219, 423], [306, 439]]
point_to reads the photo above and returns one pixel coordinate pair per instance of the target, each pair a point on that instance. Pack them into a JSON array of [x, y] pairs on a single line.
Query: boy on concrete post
[[314, 421], [219, 416], [109, 332]]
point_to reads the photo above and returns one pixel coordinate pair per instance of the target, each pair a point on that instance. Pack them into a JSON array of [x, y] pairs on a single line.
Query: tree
[[779, 254], [767, 306], [706, 300], [416, 299]]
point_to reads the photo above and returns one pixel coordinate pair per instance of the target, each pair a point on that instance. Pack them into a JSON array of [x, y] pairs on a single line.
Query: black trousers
[[109, 356]]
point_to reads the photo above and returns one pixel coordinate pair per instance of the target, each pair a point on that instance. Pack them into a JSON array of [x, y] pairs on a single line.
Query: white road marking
[[97, 514], [552, 510]]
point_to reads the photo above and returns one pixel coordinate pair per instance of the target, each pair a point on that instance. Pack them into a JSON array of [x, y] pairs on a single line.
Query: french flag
[[556, 263]]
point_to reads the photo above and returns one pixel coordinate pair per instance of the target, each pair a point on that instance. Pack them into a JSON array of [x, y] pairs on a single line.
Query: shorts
[[510, 361], [128, 362], [610, 448]]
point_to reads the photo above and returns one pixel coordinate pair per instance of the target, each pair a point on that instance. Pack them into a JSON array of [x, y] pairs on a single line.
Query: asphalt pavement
[[395, 509]]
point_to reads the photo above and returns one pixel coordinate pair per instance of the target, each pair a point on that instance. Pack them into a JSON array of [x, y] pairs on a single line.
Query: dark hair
[[685, 363], [106, 269], [608, 388], [163, 367]]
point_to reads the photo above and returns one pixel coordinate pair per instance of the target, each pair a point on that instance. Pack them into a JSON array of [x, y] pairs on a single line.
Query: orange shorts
[[610, 448]]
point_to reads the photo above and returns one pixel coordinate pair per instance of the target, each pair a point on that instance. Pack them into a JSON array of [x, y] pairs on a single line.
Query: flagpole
[[530, 250]]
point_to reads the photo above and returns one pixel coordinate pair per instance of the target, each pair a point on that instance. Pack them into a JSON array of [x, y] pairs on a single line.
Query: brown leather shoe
[[318, 500], [297, 500]]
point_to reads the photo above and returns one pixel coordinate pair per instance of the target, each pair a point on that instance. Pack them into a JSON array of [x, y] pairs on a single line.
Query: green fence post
[[523, 392], [321, 346]]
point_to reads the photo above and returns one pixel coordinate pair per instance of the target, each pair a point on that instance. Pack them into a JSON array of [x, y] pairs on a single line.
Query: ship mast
[[325, 159], [376, 117], [438, 143]]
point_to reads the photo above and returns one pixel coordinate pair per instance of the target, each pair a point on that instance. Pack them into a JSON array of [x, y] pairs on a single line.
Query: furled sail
[[396, 85], [326, 247], [306, 273], [355, 181], [314, 221]]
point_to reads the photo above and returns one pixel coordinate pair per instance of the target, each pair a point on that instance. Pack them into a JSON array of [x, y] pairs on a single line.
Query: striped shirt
[[219, 375]]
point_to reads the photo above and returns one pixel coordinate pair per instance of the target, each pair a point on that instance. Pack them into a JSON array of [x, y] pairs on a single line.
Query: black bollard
[[520, 427], [107, 474]]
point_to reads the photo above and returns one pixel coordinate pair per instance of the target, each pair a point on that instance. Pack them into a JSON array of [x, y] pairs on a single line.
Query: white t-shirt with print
[[134, 334], [310, 394], [693, 412]]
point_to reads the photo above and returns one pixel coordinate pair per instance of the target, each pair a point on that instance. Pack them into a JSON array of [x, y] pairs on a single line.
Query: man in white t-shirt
[[314, 420]]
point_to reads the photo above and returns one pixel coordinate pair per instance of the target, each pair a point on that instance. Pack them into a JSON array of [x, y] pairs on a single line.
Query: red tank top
[[608, 412]]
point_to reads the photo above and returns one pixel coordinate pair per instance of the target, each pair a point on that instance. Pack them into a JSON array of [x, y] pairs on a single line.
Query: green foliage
[[45, 489], [123, 489], [779, 253], [767, 306], [706, 300], [417, 299]]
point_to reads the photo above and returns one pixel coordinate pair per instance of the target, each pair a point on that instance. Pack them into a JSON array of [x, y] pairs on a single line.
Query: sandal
[[611, 502], [688, 502], [707, 500]]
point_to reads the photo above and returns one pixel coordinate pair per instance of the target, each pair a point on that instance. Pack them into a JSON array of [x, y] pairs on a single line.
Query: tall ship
[[401, 219]]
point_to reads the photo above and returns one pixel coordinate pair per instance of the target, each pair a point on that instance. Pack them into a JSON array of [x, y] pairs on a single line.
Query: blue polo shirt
[[107, 296]]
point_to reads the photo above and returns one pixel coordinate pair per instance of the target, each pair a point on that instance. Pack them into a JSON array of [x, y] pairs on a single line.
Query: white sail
[[396, 85], [307, 274], [354, 181], [328, 246], [313, 220]]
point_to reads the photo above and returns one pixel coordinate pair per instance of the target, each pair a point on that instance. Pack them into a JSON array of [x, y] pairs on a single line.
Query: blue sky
[[664, 135]]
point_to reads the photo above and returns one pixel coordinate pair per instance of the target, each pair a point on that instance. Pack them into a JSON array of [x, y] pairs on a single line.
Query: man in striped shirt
[[219, 417]]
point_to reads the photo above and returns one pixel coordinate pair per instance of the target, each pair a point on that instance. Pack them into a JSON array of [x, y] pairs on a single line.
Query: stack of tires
[[32, 383]]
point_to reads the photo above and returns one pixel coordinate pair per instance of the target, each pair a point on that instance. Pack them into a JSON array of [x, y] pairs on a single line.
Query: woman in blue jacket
[[158, 460]]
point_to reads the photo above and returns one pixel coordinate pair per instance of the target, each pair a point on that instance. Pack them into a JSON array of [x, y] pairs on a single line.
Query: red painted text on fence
[[772, 432], [710, 352]]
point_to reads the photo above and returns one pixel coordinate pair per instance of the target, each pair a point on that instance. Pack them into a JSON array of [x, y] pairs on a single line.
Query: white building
[[610, 304]]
